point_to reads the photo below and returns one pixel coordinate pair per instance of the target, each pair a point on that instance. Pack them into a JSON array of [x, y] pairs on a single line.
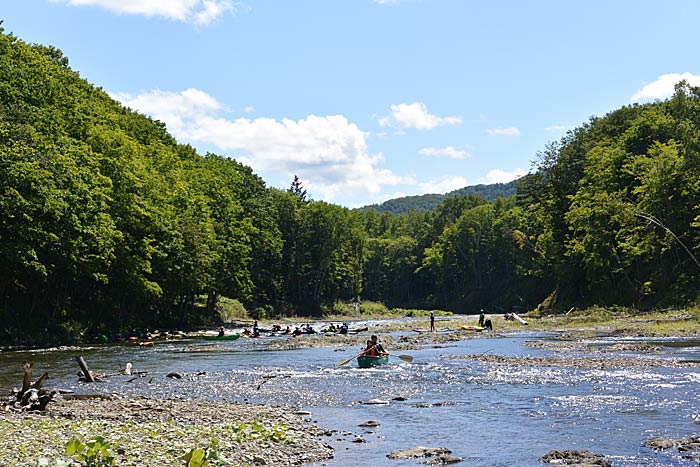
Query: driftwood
[[88, 377], [32, 396], [515, 317]]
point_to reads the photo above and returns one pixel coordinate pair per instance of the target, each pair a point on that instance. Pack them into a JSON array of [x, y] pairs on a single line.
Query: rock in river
[[370, 424], [375, 402], [682, 444], [437, 456], [575, 458]]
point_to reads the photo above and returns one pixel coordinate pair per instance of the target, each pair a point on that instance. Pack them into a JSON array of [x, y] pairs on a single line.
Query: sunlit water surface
[[489, 414]]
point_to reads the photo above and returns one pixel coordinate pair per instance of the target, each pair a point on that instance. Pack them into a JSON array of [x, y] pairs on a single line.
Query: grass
[[623, 321]]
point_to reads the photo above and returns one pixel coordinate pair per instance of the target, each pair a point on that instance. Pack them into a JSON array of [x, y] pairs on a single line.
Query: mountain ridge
[[428, 202]]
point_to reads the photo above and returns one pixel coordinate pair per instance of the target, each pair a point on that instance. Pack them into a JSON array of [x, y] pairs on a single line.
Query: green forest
[[106, 222], [428, 202]]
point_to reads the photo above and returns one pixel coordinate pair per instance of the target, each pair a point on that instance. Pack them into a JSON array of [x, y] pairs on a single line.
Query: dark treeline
[[106, 222]]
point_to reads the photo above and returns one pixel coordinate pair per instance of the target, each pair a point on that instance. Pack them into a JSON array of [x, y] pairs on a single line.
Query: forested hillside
[[428, 202], [106, 222]]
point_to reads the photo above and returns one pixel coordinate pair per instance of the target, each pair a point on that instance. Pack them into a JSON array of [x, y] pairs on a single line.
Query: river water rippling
[[490, 413]]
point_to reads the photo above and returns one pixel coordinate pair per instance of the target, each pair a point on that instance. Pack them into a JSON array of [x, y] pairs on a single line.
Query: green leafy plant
[[94, 453], [197, 458]]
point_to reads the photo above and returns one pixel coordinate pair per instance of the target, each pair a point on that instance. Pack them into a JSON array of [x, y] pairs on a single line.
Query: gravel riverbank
[[152, 432]]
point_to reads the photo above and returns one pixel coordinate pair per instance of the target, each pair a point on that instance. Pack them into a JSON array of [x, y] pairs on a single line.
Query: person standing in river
[[432, 321]]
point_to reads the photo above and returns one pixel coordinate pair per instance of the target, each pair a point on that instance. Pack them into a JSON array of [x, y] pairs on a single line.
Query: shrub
[[373, 309], [231, 309]]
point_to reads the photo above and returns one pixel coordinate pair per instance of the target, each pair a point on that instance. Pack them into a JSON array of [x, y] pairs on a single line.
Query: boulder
[[682, 444], [576, 458], [419, 451]]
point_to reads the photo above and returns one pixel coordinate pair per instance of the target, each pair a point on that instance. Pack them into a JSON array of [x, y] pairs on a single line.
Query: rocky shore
[[584, 362], [153, 432], [158, 432]]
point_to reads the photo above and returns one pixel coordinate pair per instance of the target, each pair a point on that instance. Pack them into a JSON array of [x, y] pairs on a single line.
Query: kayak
[[230, 337], [470, 328], [367, 361]]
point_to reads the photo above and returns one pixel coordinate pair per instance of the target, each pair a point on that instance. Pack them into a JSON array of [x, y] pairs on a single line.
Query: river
[[490, 414]]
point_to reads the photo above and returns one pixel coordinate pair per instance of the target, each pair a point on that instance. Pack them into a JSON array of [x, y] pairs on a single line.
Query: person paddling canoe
[[377, 346], [370, 351]]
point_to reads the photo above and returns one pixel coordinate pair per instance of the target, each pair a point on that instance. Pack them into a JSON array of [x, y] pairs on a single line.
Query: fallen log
[[89, 378], [514, 316]]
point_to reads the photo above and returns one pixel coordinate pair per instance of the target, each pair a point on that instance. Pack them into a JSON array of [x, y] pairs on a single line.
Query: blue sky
[[367, 100]]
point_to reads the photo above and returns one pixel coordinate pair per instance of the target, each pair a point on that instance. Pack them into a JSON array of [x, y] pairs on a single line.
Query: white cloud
[[510, 131], [199, 12], [249, 109], [559, 128], [416, 116], [444, 185], [663, 87], [449, 151], [501, 176], [328, 153]]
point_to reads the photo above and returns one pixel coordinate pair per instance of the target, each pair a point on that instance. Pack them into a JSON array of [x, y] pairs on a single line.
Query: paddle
[[347, 360], [405, 358]]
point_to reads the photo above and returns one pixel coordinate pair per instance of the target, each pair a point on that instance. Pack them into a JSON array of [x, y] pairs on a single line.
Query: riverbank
[[577, 324], [484, 383], [680, 322], [156, 432]]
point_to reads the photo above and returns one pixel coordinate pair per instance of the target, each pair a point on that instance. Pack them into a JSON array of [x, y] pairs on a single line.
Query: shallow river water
[[490, 414]]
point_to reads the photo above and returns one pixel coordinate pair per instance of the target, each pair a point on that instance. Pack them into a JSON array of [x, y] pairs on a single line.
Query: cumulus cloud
[[199, 12], [502, 176], [444, 185], [663, 86], [328, 152], [510, 131], [449, 151], [177, 109], [416, 116], [559, 128]]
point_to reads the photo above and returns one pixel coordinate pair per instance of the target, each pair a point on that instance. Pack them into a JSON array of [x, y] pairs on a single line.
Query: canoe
[[367, 361], [230, 337]]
